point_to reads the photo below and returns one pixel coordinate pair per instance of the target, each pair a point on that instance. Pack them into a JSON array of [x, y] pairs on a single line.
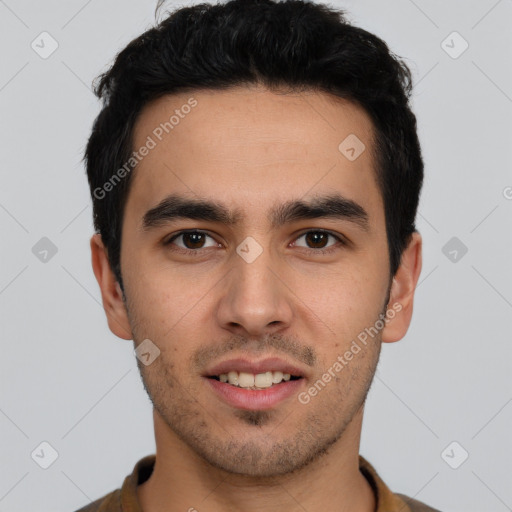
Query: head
[[280, 138]]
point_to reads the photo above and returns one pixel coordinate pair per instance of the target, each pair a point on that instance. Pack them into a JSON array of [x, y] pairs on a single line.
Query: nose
[[257, 300]]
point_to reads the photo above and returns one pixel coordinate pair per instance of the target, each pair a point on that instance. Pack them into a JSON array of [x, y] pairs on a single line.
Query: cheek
[[163, 288], [168, 307], [343, 299]]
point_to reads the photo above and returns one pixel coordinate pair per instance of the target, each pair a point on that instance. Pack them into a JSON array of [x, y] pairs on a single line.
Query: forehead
[[247, 146]]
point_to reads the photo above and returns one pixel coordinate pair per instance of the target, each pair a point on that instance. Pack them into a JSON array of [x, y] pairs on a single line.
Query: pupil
[[315, 237], [195, 237]]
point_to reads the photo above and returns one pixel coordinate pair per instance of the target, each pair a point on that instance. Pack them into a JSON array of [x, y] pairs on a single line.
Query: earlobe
[[402, 291], [111, 292]]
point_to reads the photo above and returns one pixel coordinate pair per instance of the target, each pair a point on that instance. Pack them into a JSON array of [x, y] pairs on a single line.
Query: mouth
[[253, 381], [254, 385]]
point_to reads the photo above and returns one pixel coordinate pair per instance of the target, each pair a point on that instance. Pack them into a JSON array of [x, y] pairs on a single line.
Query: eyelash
[[196, 252]]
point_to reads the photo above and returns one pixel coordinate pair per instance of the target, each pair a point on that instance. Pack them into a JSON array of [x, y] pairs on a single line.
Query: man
[[255, 174]]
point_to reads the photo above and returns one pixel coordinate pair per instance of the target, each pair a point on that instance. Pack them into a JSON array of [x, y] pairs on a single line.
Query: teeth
[[245, 380], [263, 380], [249, 380], [277, 377]]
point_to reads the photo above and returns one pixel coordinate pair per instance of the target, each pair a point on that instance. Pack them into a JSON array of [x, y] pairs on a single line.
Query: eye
[[191, 241], [319, 238]]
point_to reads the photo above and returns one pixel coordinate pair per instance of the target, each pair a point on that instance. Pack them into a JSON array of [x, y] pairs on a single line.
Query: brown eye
[[191, 240], [317, 240]]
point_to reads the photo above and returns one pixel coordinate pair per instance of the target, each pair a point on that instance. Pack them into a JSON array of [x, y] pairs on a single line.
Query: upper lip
[[273, 364]]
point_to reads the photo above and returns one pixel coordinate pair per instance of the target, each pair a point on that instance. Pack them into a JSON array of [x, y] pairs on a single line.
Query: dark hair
[[292, 44]]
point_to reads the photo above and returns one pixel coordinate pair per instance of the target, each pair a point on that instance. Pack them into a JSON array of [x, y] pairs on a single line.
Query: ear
[[402, 291], [111, 293]]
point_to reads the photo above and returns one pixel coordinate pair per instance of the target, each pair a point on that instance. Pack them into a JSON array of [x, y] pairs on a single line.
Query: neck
[[183, 481]]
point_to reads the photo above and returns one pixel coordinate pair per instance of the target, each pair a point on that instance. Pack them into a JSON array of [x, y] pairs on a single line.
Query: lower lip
[[252, 400]]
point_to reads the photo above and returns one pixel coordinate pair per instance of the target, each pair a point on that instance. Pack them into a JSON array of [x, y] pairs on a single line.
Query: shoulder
[[415, 505], [111, 502]]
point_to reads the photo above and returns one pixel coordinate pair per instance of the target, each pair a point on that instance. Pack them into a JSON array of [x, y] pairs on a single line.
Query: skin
[[251, 149]]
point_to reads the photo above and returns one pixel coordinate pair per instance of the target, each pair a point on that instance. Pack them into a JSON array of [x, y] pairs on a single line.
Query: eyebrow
[[333, 206]]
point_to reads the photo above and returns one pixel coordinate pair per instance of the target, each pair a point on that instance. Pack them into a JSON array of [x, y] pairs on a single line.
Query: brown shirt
[[125, 498]]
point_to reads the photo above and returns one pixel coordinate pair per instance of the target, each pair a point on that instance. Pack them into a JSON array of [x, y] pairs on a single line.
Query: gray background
[[66, 380]]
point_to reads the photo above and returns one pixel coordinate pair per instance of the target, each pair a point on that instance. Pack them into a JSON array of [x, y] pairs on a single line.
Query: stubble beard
[[261, 456]]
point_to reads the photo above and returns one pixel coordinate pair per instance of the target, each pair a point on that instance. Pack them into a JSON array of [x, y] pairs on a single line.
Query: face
[[253, 282]]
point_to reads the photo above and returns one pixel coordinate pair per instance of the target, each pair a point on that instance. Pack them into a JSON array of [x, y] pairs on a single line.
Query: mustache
[[243, 344]]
